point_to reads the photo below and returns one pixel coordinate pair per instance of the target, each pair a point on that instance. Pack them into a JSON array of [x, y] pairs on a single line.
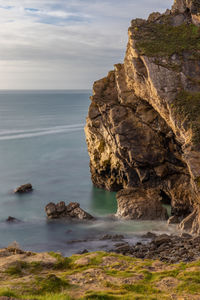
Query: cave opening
[[166, 202], [165, 198]]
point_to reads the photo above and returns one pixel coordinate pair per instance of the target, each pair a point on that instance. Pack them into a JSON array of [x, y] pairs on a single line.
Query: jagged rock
[[154, 16], [188, 6], [162, 239], [70, 211], [143, 128], [12, 220], [186, 235], [140, 204], [192, 222], [116, 237], [174, 220], [83, 251], [149, 235], [25, 188]]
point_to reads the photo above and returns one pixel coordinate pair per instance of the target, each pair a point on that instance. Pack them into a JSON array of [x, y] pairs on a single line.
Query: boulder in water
[[25, 188], [12, 220], [70, 211]]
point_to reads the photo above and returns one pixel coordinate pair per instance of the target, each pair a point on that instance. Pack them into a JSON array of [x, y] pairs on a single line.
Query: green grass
[[121, 274], [113, 280], [51, 284], [54, 296], [62, 262], [190, 282], [42, 286], [100, 296], [186, 106], [164, 40], [17, 268], [141, 289], [7, 293]]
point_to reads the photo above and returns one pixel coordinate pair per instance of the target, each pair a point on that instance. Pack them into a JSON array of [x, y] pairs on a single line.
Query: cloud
[[65, 43]]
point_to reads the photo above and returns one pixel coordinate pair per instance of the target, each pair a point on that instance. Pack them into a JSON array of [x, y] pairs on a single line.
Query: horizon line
[[45, 89]]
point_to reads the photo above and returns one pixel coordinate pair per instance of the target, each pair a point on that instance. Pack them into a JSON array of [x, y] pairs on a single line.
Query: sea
[[42, 141]]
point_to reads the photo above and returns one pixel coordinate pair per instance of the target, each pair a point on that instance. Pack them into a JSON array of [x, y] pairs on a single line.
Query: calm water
[[42, 141]]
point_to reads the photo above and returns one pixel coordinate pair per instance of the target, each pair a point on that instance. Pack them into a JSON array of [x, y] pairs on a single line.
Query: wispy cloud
[[65, 43]]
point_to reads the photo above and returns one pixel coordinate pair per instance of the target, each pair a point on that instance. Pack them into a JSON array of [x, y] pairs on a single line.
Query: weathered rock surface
[[25, 188], [70, 211], [140, 204], [143, 126]]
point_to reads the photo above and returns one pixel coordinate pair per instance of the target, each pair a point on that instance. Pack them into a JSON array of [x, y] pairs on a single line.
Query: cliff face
[[143, 126]]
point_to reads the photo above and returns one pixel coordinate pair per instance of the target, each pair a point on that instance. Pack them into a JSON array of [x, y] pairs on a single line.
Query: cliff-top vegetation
[[164, 40]]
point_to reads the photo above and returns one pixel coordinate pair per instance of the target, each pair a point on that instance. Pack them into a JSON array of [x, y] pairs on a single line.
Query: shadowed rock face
[[143, 126]]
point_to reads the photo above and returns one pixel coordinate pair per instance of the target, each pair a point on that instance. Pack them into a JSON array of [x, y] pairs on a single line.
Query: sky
[[65, 44]]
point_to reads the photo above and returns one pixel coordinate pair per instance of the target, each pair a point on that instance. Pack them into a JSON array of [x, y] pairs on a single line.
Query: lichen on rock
[[143, 126]]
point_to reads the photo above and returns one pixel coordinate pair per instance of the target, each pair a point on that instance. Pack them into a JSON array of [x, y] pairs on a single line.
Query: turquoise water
[[42, 141]]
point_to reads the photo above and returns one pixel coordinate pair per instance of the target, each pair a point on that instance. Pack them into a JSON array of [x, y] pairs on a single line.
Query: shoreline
[[97, 275]]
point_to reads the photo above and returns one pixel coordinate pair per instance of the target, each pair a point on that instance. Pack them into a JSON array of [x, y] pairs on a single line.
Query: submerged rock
[[25, 188], [83, 251], [149, 235], [116, 237], [143, 126], [70, 211], [12, 220]]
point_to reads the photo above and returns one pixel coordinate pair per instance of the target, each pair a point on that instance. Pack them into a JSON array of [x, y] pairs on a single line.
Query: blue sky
[[65, 44]]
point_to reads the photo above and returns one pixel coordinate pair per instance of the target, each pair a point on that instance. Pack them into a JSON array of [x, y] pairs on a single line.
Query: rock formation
[[141, 204], [12, 220], [70, 211], [143, 125], [25, 188]]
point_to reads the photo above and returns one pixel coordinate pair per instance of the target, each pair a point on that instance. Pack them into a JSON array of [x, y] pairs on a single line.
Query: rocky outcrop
[[25, 188], [70, 211], [140, 204], [143, 126]]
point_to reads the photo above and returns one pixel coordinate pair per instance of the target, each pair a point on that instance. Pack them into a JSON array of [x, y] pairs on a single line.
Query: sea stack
[[143, 125]]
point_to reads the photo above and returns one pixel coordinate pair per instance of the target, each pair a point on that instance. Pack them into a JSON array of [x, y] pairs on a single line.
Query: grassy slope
[[99, 275]]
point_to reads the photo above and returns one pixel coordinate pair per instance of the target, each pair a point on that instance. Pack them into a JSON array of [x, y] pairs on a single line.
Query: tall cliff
[[143, 125]]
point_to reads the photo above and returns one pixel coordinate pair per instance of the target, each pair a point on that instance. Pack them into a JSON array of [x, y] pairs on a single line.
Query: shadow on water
[[103, 202]]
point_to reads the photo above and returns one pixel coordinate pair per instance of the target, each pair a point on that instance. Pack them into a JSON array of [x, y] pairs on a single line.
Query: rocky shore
[[167, 248]]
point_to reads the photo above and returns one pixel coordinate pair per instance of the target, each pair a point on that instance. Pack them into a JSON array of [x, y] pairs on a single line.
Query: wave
[[21, 134]]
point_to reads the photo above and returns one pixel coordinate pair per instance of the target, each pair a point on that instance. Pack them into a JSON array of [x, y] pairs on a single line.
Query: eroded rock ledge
[[143, 126]]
